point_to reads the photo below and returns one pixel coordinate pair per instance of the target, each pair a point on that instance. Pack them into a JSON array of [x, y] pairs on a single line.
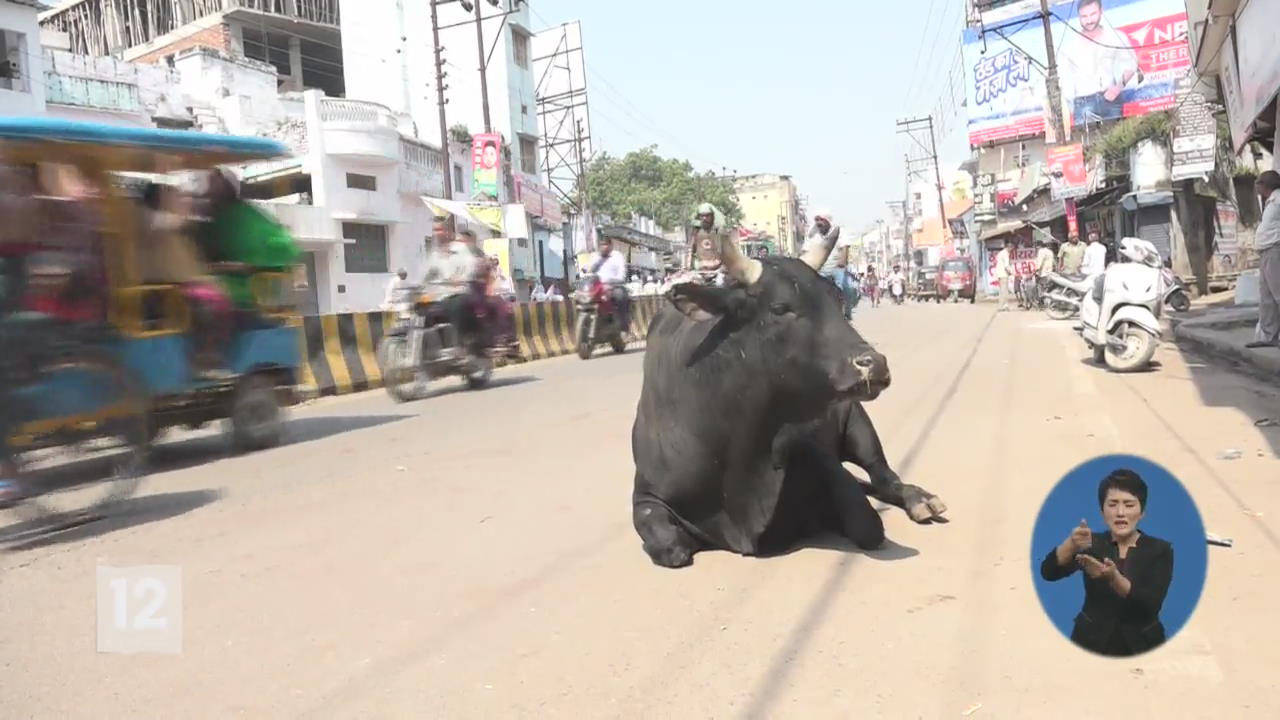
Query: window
[[457, 178], [520, 42], [356, 181], [13, 53], [368, 254], [524, 109], [529, 155]]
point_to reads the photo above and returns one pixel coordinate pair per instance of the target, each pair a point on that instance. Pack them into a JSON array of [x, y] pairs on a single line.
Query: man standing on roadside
[[1267, 242], [1071, 256], [1004, 273], [1095, 256]]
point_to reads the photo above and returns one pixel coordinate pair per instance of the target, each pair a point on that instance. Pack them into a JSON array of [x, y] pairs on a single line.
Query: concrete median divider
[[340, 350]]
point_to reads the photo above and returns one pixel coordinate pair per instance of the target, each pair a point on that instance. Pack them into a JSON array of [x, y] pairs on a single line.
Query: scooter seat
[[1074, 277]]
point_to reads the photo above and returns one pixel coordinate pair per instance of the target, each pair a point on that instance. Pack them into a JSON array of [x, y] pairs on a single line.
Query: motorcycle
[[1120, 316], [1175, 294], [423, 345], [598, 319], [1066, 294]]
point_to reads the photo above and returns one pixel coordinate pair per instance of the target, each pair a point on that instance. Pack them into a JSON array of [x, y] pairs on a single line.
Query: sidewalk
[[1220, 331]]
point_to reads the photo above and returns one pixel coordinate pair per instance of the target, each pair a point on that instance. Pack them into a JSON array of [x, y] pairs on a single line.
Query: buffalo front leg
[[859, 521], [665, 542], [860, 445]]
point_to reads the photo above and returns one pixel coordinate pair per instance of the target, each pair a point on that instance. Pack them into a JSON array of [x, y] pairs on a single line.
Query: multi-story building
[[21, 72], [364, 157], [770, 208]]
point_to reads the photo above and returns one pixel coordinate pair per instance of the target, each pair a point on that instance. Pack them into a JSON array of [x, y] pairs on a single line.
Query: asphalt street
[[471, 555]]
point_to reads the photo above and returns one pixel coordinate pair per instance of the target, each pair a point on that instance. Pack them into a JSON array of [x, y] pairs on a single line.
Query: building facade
[[770, 207], [21, 66]]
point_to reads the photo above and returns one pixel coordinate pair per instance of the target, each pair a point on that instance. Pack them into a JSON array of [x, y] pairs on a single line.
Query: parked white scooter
[[1121, 314]]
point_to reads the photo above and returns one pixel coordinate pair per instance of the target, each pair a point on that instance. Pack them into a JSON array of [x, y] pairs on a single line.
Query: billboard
[[1116, 58], [486, 156]]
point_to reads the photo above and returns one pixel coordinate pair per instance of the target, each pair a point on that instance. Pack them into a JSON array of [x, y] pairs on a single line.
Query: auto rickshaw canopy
[[110, 148]]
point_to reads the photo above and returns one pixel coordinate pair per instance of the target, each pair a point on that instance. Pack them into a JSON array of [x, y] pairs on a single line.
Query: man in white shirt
[[611, 268], [1004, 274], [1096, 62], [454, 269], [1095, 257], [836, 268], [1267, 243]]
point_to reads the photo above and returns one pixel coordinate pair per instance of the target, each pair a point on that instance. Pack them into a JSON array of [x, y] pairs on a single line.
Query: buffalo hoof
[[921, 506]]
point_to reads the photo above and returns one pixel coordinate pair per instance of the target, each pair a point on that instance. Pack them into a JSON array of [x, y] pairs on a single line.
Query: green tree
[[665, 189]]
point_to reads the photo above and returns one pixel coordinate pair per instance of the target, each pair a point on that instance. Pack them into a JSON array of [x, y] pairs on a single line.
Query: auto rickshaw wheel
[[102, 460], [257, 421]]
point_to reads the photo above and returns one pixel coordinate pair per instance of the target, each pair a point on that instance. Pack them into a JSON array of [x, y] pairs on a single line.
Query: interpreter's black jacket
[[1109, 624]]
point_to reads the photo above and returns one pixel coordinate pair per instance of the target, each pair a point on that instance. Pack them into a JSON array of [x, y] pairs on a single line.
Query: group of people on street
[[1073, 258]]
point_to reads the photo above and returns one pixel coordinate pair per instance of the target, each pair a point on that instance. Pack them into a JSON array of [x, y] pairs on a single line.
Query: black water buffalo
[[750, 405]]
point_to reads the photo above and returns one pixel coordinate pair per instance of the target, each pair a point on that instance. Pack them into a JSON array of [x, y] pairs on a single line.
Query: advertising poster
[[984, 197], [1195, 133], [1116, 59], [1024, 264], [486, 157], [1068, 177]]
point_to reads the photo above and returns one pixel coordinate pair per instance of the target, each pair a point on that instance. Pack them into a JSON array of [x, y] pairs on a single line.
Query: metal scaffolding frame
[[564, 115]]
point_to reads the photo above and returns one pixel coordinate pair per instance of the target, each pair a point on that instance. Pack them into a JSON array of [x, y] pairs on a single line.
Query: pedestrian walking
[[1267, 241], [1004, 273]]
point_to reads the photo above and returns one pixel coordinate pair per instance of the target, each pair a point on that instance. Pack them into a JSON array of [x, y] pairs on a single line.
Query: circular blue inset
[[1170, 514]]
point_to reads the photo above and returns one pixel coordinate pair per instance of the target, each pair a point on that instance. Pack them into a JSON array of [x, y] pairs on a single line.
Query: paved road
[[471, 555]]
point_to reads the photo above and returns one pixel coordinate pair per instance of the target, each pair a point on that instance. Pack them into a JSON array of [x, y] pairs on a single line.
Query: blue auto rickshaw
[[111, 383]]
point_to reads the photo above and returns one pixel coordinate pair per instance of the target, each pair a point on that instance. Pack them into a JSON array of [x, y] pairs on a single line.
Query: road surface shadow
[[1153, 366], [187, 453], [33, 534], [888, 552], [1219, 384], [457, 385]]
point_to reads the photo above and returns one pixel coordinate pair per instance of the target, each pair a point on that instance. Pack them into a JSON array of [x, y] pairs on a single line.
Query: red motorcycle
[[598, 319]]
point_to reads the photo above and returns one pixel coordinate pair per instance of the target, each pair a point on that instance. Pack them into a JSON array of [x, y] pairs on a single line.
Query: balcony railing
[[357, 111]]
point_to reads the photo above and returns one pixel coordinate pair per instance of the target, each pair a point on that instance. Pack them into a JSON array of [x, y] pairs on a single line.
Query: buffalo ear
[[704, 302]]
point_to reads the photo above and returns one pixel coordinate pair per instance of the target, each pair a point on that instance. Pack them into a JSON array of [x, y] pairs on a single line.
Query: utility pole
[[911, 126], [583, 198], [1051, 77], [446, 163], [484, 66]]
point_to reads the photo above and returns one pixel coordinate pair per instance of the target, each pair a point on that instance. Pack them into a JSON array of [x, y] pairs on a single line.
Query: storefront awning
[[1004, 228], [1135, 200], [485, 214]]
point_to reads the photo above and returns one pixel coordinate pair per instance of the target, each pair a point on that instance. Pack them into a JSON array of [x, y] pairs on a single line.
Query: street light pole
[[1051, 77]]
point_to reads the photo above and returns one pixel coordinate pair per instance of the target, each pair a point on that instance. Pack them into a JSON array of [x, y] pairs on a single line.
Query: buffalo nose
[[874, 366]]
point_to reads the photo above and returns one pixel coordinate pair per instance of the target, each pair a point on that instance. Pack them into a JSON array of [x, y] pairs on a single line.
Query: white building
[[388, 58], [21, 74], [353, 193]]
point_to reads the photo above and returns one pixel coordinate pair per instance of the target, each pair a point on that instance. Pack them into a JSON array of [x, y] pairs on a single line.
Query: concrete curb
[[1217, 343]]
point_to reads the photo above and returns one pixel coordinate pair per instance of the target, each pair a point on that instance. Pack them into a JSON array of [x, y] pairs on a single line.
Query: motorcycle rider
[[836, 268], [611, 268], [395, 298], [452, 271]]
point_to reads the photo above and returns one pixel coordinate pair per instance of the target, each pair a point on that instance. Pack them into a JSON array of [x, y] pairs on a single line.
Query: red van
[[958, 278]]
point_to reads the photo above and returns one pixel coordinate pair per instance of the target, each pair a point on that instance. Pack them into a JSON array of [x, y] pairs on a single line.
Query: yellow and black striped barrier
[[340, 350]]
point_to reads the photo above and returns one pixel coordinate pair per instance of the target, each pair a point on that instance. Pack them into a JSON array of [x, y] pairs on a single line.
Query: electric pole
[[446, 163], [484, 66], [1051, 77], [911, 126]]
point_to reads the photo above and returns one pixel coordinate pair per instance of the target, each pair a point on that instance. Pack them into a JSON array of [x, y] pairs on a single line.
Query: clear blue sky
[[811, 89]]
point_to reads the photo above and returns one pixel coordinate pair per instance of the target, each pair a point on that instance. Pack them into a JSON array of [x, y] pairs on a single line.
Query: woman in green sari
[[240, 240]]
